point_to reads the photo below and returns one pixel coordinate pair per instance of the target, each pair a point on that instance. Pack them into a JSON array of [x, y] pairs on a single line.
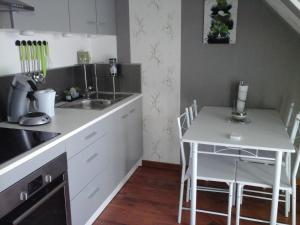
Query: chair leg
[[238, 203], [242, 197], [181, 197], [287, 194], [234, 194], [230, 200], [188, 188], [294, 206], [287, 203]]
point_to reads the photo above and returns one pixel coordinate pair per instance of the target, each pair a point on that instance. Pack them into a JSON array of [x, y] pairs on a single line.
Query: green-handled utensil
[[23, 56]]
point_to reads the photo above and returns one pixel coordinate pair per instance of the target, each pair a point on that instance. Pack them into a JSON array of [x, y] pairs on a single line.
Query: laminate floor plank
[[151, 195]]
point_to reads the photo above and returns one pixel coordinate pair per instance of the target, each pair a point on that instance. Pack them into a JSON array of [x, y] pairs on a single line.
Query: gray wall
[[265, 56]]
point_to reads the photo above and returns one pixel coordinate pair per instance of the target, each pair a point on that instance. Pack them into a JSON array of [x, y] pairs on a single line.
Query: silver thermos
[[113, 67]]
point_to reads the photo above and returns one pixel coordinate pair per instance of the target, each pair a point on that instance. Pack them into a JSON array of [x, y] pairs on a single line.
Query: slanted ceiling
[[289, 10]]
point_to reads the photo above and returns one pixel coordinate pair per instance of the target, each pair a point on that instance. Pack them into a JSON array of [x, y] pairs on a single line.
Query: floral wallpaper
[[155, 39]]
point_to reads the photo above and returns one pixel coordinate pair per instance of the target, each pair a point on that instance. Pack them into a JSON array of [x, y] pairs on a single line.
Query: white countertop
[[67, 122]]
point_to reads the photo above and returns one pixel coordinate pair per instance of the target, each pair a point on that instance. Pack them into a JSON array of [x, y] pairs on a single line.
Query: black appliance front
[[15, 142], [45, 200]]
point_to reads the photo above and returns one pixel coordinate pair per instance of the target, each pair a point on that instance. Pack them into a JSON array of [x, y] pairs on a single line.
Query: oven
[[41, 198]]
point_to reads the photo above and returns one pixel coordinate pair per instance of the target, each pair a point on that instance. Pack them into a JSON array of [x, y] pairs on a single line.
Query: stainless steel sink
[[102, 101], [110, 96]]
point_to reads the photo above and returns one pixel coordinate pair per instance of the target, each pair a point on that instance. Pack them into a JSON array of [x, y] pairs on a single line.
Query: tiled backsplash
[[63, 78]]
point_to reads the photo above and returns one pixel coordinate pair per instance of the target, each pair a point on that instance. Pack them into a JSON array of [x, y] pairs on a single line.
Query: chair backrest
[[289, 116], [294, 133], [183, 122], [193, 110]]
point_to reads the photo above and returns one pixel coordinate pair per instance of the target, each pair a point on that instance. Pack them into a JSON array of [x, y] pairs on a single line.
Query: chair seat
[[214, 168], [260, 175]]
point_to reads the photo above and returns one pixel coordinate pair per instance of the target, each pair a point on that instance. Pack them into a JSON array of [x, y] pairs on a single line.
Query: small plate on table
[[238, 117]]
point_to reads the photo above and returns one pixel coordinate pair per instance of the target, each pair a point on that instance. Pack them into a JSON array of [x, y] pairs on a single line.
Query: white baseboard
[[113, 194]]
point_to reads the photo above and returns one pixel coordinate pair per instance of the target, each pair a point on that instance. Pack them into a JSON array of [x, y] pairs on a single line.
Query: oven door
[[49, 206]]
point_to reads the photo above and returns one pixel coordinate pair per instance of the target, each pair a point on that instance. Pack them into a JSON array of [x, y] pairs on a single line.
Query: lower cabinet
[[90, 198], [97, 169]]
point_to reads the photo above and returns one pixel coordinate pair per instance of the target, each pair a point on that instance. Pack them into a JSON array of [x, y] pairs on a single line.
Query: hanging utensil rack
[[34, 57]]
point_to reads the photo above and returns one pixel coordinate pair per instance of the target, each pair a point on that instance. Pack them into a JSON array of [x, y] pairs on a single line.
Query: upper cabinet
[[93, 16], [49, 15], [83, 17], [106, 17], [76, 16]]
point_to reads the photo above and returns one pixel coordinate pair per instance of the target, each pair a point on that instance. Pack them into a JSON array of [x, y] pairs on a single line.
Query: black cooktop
[[14, 142]]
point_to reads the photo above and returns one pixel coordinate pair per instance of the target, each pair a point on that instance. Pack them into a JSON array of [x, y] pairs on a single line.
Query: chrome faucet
[[96, 81], [87, 89]]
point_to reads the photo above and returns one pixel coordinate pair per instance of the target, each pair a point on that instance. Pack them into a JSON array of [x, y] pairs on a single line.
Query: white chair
[[262, 175], [193, 112], [210, 168], [271, 155]]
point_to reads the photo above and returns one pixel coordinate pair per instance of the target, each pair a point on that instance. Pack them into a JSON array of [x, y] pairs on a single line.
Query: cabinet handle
[[132, 110], [90, 135], [125, 116], [101, 23], [93, 193], [91, 22], [92, 157]]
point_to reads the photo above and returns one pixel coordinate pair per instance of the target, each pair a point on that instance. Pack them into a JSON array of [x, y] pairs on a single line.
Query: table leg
[[234, 194], [276, 185], [194, 184]]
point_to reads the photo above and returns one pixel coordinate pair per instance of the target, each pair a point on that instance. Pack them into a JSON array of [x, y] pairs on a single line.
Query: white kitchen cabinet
[[100, 165], [77, 16], [86, 137], [87, 202], [130, 131], [83, 17], [47, 16], [106, 17], [87, 164]]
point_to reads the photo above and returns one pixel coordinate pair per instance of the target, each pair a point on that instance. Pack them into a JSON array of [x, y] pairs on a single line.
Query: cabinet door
[[135, 135], [83, 16], [106, 17], [130, 135], [48, 16], [122, 148]]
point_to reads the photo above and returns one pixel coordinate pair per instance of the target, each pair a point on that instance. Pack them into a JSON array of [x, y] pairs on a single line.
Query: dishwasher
[[41, 198]]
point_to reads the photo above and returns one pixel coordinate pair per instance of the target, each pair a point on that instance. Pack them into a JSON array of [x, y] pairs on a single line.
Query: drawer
[[83, 167], [84, 205], [84, 138]]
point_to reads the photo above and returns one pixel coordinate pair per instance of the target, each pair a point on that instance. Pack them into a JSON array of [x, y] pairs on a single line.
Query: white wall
[[155, 40], [63, 50]]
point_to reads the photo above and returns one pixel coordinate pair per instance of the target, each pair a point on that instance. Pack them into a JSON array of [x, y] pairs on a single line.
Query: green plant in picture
[[224, 30], [221, 22], [222, 4]]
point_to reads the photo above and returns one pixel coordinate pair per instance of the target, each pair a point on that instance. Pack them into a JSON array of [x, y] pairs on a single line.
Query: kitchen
[[119, 73]]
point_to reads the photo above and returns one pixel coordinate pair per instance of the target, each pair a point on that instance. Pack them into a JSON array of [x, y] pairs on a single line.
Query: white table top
[[265, 132]]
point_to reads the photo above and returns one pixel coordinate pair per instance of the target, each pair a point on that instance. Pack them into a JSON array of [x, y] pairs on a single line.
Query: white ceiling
[[289, 10]]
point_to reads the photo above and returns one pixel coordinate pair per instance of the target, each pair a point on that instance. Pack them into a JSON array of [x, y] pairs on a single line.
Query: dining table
[[214, 132]]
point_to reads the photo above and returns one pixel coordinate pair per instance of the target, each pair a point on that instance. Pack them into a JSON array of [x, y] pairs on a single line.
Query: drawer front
[[84, 138], [83, 167], [84, 205]]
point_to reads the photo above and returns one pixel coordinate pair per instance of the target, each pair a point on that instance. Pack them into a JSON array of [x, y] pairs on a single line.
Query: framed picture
[[220, 21]]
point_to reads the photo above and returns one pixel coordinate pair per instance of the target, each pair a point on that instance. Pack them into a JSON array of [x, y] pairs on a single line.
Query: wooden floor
[[151, 195]]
